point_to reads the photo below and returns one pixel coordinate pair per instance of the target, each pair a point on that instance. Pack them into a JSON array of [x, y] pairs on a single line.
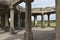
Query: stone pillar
[[23, 20], [3, 20], [57, 19], [12, 29], [6, 22], [19, 22], [35, 20], [48, 20], [42, 20], [28, 23], [0, 18]]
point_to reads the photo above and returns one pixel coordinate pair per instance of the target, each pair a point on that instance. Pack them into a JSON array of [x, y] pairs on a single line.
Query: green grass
[[52, 23]]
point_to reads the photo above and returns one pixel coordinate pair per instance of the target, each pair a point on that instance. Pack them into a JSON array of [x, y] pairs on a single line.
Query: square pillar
[[35, 20], [48, 20], [12, 29], [0, 19], [28, 23], [6, 22], [57, 19], [19, 21], [3, 20], [42, 21]]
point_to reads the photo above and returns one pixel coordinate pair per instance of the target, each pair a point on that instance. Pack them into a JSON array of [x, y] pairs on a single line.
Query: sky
[[42, 3]]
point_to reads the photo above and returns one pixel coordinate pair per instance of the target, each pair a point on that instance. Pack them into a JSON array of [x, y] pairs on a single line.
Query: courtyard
[[38, 34], [15, 21]]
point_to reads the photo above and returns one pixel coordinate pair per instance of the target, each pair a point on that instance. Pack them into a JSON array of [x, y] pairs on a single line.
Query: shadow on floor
[[37, 35]]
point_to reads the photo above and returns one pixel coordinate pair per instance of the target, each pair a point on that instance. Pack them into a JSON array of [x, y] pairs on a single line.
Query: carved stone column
[[0, 19], [6, 22], [19, 22], [48, 20], [12, 29], [28, 23], [42, 20], [57, 19], [3, 20], [35, 20]]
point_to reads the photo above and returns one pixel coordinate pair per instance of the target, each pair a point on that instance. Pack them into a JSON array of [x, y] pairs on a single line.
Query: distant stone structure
[[20, 17]]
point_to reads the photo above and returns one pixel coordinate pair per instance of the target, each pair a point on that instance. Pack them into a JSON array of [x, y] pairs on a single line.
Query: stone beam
[[15, 2]]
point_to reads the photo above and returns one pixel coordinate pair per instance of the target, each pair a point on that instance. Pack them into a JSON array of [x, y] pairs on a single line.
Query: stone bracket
[[28, 1]]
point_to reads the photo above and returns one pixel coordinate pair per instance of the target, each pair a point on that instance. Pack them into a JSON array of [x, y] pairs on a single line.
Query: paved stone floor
[[38, 33]]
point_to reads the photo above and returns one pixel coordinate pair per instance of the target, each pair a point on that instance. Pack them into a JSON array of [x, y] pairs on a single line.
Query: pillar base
[[28, 36], [0, 25], [48, 25], [6, 29], [43, 27], [12, 31], [36, 26]]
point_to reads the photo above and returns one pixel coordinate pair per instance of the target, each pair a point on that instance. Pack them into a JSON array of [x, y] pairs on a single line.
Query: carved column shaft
[[28, 33], [12, 29], [6, 20], [35, 20], [0, 18], [57, 19], [42, 21], [3, 20], [19, 22], [48, 20]]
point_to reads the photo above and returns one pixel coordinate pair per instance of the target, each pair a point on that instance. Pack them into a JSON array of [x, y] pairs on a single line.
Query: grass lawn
[[52, 23]]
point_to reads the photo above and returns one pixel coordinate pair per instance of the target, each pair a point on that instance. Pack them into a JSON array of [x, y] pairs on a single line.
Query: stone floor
[[38, 33]]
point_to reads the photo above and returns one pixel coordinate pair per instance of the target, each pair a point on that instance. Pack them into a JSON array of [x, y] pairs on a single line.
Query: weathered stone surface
[[12, 29], [28, 29], [57, 19], [6, 22], [35, 20], [42, 21], [48, 20]]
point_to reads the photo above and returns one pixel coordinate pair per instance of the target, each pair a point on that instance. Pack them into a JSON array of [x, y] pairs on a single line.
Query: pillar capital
[[28, 1], [11, 7], [34, 15], [48, 14], [42, 14]]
